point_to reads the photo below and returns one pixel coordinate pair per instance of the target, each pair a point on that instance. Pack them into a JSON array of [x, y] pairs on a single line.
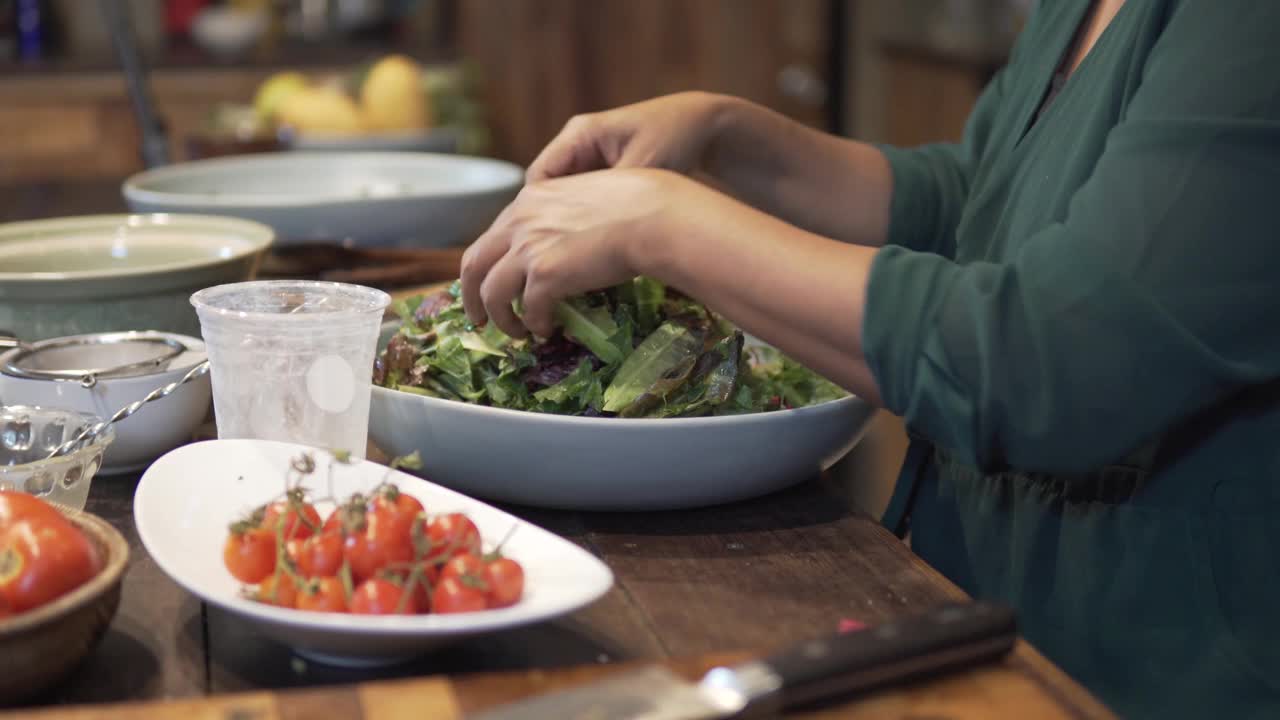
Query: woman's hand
[[570, 235], [566, 236], [671, 133], [827, 185]]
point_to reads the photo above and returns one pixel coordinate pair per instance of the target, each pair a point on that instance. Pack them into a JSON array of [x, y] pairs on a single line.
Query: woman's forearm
[[802, 292], [831, 186]]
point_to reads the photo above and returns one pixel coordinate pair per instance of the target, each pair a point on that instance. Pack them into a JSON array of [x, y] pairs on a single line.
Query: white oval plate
[[187, 498]]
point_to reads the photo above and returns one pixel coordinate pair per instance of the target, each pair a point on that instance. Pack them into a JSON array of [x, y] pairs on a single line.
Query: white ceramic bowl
[[186, 499], [70, 276], [583, 463], [393, 198], [156, 428], [228, 33], [435, 140]]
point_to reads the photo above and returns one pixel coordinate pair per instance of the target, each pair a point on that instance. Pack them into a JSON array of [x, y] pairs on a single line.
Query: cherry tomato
[[384, 539], [15, 506], [379, 596], [299, 518], [293, 550], [504, 581], [42, 558], [320, 555], [455, 596], [250, 555], [278, 589], [333, 523], [323, 595], [451, 535], [465, 567], [391, 499]]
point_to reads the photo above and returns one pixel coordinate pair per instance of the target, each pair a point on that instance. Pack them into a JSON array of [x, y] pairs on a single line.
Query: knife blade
[[945, 638]]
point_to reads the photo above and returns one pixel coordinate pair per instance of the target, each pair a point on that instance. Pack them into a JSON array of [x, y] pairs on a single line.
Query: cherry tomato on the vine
[[250, 554], [452, 534], [504, 582], [320, 555], [464, 566], [379, 596], [455, 596], [323, 595], [299, 518]]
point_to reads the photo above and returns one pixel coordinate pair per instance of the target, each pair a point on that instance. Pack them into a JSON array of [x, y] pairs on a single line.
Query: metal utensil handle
[[127, 410], [155, 143]]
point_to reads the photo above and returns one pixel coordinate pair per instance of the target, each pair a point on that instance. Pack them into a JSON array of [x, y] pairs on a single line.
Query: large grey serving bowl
[[364, 198], [581, 463], [100, 273]]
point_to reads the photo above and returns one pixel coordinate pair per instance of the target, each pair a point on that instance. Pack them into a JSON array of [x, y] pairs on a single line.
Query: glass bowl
[[28, 434]]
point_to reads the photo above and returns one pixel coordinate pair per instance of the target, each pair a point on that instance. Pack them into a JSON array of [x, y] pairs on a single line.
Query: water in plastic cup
[[292, 360]]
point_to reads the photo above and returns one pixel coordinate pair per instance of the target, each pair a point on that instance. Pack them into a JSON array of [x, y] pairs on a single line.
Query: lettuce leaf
[[660, 362], [591, 327]]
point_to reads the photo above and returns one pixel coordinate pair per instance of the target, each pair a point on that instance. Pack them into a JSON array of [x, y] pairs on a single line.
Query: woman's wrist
[[696, 226], [650, 247], [733, 135]]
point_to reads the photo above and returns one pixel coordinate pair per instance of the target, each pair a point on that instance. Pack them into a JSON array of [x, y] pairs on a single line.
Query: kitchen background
[[504, 74]]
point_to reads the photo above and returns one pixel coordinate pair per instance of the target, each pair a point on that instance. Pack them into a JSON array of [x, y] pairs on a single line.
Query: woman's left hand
[[569, 235]]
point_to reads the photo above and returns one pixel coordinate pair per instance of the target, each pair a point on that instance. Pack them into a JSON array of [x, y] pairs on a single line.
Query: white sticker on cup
[[331, 383]]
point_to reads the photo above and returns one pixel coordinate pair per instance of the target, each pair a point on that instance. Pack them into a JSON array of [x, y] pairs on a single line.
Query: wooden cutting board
[[1018, 687], [386, 268]]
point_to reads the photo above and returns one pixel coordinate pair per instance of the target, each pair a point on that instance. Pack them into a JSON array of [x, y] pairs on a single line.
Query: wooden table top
[[691, 587]]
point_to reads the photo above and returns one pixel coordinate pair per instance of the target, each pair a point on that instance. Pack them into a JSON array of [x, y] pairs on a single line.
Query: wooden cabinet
[[929, 101], [930, 95], [81, 126], [543, 61]]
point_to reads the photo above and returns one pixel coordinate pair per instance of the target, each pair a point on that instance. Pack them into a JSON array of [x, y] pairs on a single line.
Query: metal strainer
[[124, 354], [116, 355]]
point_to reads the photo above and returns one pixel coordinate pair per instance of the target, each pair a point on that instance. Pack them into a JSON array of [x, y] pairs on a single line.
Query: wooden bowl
[[40, 647]]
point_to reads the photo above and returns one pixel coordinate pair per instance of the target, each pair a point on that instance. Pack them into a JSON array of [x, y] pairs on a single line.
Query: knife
[[946, 638]]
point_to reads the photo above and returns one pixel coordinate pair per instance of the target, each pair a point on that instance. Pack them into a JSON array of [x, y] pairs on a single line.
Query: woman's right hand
[[674, 132], [828, 185]]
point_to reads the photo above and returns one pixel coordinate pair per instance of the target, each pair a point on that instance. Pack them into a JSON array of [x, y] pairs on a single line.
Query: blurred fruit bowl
[[393, 104]]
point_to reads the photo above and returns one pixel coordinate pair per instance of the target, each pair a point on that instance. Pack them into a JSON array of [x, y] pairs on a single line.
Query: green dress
[[1078, 317]]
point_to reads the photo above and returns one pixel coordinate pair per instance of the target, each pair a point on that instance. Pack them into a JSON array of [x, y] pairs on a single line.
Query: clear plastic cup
[[292, 360]]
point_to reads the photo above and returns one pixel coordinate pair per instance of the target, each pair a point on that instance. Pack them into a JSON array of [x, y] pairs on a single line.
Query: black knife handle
[[945, 638]]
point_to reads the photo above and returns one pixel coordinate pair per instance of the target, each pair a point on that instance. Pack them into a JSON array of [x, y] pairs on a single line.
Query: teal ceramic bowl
[[102, 273]]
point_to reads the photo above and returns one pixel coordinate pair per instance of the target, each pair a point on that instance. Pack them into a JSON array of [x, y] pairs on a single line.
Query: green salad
[[638, 350]]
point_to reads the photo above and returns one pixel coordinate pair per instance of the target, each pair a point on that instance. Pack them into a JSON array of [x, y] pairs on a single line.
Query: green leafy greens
[[638, 350]]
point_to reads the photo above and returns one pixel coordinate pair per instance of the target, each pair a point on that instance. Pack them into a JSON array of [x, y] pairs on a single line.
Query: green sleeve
[[931, 182], [1155, 296]]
